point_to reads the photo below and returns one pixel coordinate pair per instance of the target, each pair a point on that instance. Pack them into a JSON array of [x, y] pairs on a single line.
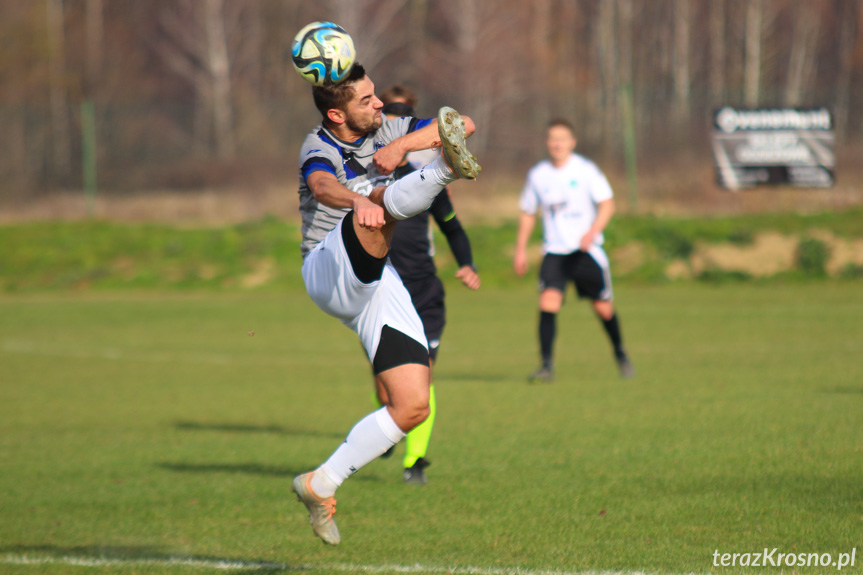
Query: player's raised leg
[[415, 192]]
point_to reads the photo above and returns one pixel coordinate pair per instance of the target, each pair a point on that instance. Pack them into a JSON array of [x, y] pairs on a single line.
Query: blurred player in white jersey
[[577, 203], [350, 204]]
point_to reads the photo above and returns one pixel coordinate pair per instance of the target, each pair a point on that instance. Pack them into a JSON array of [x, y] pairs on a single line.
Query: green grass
[[152, 425]]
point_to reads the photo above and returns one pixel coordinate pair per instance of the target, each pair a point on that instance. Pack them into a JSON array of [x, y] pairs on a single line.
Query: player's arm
[[444, 215], [330, 192], [526, 224], [604, 212], [390, 156]]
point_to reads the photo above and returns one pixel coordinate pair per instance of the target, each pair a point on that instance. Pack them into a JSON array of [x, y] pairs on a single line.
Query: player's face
[[363, 115], [560, 142]]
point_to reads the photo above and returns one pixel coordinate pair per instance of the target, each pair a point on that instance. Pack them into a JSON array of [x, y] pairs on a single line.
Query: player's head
[[398, 109], [351, 103], [560, 139], [399, 93]]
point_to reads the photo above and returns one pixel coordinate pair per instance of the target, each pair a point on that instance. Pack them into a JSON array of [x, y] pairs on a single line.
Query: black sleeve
[[444, 214]]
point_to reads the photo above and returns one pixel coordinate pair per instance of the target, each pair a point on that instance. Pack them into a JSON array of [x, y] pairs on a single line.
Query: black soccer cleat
[[627, 370], [542, 375], [414, 475]]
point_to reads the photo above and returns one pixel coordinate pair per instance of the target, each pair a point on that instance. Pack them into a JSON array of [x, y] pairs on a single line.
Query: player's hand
[[519, 262], [468, 277], [587, 241], [388, 158], [369, 214]]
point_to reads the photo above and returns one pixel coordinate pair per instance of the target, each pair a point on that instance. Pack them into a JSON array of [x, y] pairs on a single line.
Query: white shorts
[[365, 308]]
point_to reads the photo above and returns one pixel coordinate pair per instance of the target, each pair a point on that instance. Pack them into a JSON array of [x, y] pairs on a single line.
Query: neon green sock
[[417, 441]]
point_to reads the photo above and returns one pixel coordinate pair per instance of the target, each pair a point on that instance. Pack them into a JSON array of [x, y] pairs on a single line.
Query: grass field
[[158, 432]]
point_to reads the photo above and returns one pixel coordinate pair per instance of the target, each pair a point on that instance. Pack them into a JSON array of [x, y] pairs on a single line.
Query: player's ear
[[336, 116]]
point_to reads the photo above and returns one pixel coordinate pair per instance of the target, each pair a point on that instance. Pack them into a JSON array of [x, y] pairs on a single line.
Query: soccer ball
[[323, 53]]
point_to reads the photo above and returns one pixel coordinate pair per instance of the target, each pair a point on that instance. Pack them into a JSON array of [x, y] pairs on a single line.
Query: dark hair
[[399, 93], [337, 96], [398, 109], [562, 123]]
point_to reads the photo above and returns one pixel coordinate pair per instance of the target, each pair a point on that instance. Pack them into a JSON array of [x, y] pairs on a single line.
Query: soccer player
[[576, 203], [411, 253], [350, 204]]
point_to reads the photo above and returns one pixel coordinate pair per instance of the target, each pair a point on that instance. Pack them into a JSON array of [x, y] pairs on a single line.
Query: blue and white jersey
[[351, 164], [568, 197]]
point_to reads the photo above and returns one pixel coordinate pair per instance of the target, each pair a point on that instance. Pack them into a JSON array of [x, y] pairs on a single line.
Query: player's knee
[[409, 412], [415, 415]]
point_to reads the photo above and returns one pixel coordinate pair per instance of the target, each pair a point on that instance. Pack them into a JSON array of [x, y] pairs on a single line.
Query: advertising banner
[[774, 146]]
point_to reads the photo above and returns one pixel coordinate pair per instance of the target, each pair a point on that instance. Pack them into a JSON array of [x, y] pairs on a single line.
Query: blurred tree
[[59, 105], [682, 30], [718, 91], [95, 40], [204, 85], [194, 46], [804, 43], [849, 15], [752, 80]]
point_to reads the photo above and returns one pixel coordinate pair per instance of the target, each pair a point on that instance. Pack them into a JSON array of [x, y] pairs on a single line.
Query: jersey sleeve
[[600, 189], [529, 201], [395, 128], [444, 216], [315, 155]]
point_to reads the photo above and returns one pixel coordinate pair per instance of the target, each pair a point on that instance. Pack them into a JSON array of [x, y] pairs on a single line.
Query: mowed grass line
[[152, 426]]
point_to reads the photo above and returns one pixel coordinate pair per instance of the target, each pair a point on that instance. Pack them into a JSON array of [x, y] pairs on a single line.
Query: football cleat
[[414, 475], [321, 510], [542, 375], [455, 153], [627, 370]]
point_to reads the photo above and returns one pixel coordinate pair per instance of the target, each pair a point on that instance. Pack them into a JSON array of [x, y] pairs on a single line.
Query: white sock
[[368, 440], [414, 193]]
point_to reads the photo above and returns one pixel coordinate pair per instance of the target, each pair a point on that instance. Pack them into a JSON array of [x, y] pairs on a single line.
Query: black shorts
[[591, 279], [428, 299]]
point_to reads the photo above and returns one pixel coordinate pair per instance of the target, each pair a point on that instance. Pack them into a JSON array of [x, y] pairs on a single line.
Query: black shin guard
[[612, 328], [547, 330]]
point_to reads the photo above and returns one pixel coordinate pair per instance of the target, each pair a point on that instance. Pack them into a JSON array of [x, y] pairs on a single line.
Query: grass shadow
[[842, 389], [247, 468], [479, 376], [250, 428]]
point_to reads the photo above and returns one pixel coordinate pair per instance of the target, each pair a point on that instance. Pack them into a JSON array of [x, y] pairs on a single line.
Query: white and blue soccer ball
[[323, 53]]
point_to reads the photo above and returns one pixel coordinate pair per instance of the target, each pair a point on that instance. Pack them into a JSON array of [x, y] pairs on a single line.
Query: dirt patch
[[678, 270], [843, 253], [630, 257], [260, 274], [769, 254]]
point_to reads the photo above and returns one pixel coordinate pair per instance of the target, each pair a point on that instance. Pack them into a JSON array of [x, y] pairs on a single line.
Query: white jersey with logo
[[568, 197]]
